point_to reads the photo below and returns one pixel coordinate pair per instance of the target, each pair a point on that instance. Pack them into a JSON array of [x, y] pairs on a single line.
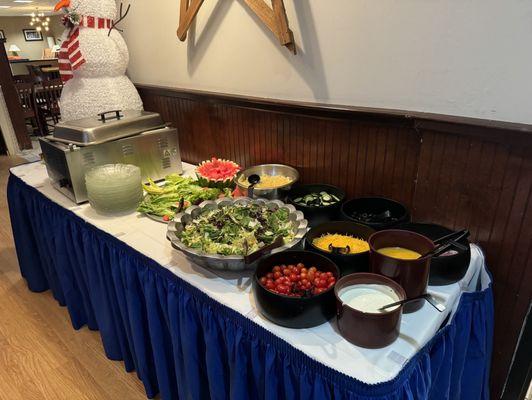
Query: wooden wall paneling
[[452, 171], [489, 189], [389, 158], [245, 158], [511, 264]]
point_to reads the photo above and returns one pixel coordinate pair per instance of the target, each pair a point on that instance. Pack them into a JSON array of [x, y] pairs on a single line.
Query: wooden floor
[[41, 355]]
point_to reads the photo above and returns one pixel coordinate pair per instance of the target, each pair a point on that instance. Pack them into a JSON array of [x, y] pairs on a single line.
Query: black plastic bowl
[[444, 269], [317, 215], [348, 263], [376, 205], [295, 312]]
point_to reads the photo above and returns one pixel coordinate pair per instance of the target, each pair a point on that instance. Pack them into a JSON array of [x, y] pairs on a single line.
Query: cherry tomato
[[283, 289], [295, 280], [166, 218]]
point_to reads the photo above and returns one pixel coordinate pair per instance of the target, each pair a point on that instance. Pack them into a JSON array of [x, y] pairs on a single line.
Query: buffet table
[[193, 333]]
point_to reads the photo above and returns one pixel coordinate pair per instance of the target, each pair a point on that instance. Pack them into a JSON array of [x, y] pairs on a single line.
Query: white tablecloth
[[323, 343]]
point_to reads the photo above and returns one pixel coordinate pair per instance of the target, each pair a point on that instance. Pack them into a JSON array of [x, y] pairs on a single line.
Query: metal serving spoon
[[438, 306]]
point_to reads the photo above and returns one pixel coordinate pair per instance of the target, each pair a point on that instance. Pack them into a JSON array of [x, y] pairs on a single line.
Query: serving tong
[[252, 257], [446, 242], [339, 250]]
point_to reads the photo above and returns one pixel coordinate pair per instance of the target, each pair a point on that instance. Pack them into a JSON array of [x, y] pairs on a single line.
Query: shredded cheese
[[356, 245], [267, 181]]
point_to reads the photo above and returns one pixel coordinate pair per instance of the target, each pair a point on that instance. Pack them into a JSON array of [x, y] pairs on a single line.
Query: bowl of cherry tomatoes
[[296, 288]]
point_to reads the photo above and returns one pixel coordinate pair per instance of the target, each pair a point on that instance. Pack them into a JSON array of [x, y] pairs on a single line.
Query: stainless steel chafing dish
[[130, 137]]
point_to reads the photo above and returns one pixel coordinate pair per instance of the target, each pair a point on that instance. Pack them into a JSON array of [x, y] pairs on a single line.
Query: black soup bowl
[[348, 263], [316, 215], [449, 267], [295, 312], [377, 212]]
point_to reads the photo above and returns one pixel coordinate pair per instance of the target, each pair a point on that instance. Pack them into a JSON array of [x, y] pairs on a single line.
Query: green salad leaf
[[164, 200], [233, 229]]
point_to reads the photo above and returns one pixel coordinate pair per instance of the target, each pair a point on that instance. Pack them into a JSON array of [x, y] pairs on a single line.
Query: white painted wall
[[458, 57], [13, 29]]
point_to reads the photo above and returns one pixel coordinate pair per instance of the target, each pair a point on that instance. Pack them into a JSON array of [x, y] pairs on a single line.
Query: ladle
[[253, 180]]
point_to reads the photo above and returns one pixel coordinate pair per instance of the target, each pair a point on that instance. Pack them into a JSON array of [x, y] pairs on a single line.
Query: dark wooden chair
[[26, 94], [49, 75], [23, 78], [48, 97], [35, 72]]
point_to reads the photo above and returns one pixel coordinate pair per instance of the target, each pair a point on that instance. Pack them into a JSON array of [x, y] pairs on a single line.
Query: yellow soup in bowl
[[400, 253]]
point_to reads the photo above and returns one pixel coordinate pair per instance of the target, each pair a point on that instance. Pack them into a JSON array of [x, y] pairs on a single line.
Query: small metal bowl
[[278, 193], [230, 263]]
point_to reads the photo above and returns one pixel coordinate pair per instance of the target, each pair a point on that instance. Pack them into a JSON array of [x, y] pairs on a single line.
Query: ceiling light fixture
[[39, 21]]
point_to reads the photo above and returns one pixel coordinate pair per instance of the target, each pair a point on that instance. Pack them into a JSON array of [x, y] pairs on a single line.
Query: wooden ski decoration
[[273, 17]]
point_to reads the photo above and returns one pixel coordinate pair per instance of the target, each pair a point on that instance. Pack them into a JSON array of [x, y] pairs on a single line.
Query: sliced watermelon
[[217, 173]]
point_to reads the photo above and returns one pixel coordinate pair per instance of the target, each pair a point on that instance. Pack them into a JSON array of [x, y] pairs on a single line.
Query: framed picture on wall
[[32, 35], [2, 34]]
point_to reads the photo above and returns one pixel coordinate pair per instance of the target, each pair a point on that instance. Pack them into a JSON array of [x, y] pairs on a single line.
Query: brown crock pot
[[412, 275], [370, 330]]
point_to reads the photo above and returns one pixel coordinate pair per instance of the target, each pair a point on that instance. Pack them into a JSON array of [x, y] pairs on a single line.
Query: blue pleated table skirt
[[185, 345]]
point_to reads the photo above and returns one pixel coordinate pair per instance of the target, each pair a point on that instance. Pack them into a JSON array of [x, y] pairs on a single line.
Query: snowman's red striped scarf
[[70, 56]]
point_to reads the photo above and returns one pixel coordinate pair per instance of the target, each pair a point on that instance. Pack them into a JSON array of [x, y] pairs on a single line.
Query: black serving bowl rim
[[337, 276], [375, 250], [290, 199], [322, 252], [371, 224]]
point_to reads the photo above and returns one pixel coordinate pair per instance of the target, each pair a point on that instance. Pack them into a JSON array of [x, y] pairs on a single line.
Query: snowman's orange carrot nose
[[62, 4]]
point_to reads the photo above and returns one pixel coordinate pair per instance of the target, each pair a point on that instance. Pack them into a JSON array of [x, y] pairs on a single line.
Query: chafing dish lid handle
[[116, 116]]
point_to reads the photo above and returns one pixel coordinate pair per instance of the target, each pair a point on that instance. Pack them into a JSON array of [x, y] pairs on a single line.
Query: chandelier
[[39, 21]]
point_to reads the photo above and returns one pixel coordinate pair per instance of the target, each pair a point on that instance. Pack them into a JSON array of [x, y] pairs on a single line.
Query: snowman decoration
[[93, 61]]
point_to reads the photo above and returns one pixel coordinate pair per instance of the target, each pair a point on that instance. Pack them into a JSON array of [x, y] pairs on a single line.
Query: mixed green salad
[[238, 229], [177, 192]]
